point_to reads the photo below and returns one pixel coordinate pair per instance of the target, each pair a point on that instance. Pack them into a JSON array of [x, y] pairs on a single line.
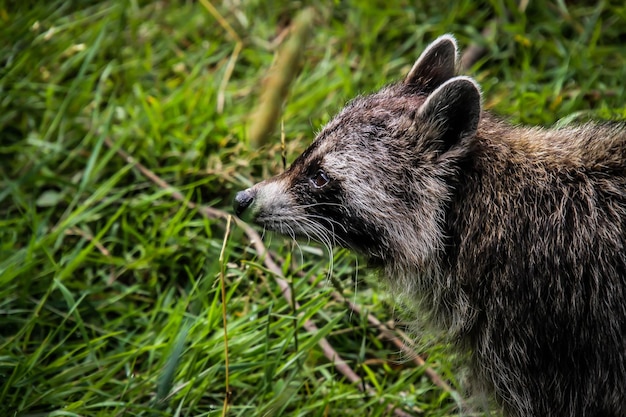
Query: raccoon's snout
[[242, 201]]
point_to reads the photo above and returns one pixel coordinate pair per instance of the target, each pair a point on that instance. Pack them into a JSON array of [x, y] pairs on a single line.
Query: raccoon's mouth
[[303, 227], [287, 226], [279, 225]]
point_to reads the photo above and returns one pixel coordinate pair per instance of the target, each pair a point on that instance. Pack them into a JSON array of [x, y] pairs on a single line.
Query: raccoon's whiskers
[[320, 234]]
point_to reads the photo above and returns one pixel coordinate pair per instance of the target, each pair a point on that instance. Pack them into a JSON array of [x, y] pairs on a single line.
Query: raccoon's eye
[[319, 179]]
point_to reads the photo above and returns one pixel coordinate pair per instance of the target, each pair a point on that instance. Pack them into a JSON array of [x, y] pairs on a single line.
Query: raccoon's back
[[537, 231], [591, 147], [548, 206]]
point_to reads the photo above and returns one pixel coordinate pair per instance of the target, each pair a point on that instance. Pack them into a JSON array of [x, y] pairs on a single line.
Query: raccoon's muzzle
[[243, 200]]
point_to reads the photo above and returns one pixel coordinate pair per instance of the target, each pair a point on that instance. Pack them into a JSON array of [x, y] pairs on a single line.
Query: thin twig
[[88, 237], [283, 146], [103, 250], [209, 212], [223, 282]]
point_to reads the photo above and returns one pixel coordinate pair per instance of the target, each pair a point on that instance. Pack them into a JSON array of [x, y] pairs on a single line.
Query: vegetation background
[[110, 283]]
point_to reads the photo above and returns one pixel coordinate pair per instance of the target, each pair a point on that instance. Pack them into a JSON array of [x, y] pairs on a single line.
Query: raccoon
[[510, 239]]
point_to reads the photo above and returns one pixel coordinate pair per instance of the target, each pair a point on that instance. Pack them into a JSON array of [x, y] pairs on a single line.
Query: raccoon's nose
[[243, 199]]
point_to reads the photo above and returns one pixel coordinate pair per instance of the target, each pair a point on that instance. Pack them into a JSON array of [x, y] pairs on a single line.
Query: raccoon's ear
[[436, 65], [453, 110]]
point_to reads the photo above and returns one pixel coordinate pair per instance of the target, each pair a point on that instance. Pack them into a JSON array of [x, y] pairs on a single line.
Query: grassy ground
[[110, 287]]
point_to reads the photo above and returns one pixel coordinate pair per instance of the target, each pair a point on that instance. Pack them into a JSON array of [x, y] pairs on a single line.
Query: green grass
[[110, 296]]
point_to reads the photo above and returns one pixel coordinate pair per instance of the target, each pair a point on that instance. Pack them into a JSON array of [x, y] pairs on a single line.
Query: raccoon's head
[[376, 178]]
